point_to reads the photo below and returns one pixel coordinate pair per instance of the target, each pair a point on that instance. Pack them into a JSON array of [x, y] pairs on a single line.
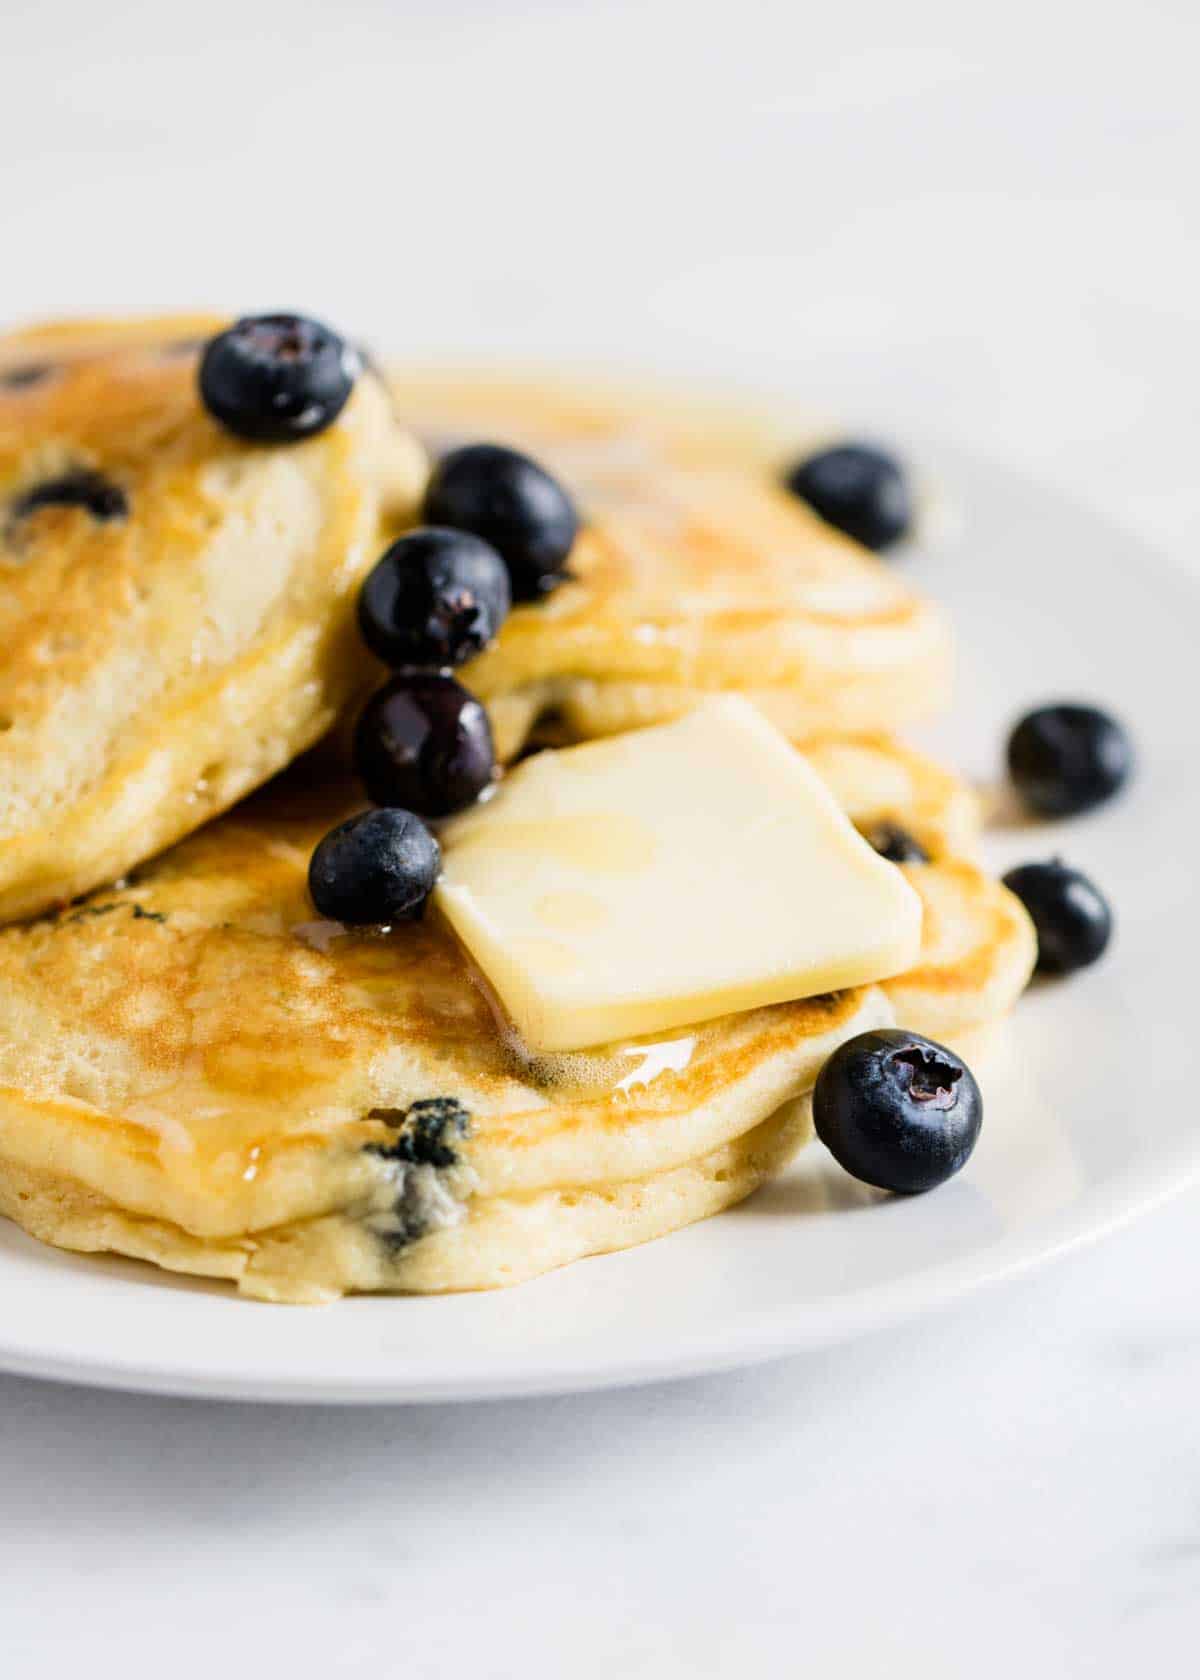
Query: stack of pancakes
[[196, 1070]]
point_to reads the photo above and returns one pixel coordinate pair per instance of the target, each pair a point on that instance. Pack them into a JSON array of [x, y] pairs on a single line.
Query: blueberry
[[425, 743], [1065, 759], [17, 378], [80, 487], [857, 489], [897, 1110], [377, 867], [512, 503], [277, 378], [896, 844], [437, 597], [426, 1131], [1071, 915]]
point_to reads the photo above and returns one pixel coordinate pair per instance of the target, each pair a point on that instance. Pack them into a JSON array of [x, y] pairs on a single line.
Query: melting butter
[[665, 877], [604, 842], [573, 912]]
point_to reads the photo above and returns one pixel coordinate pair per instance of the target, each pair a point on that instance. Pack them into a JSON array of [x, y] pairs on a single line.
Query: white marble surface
[[974, 221]]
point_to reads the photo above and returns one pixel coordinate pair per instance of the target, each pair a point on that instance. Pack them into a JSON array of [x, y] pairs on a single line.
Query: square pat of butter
[[668, 876]]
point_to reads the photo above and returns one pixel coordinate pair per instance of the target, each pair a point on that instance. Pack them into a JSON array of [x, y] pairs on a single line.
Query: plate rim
[[764, 1337]]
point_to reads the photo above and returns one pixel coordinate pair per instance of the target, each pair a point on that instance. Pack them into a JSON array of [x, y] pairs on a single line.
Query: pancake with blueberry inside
[[198, 1070], [690, 567], [186, 511]]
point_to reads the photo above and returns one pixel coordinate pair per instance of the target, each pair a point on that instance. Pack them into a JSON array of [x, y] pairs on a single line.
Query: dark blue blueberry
[[82, 488], [436, 597], [277, 378], [896, 844], [426, 1131], [1064, 759], [857, 489], [511, 503], [424, 743], [897, 1110], [24, 374], [380, 866], [1071, 915]]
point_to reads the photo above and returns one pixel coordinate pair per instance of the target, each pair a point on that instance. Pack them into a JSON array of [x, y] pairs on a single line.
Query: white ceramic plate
[[1091, 1108]]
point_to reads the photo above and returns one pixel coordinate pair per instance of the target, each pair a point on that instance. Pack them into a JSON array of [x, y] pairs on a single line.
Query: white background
[[966, 220]]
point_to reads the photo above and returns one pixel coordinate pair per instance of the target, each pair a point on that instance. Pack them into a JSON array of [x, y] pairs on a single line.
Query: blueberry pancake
[[195, 1071], [176, 602], [695, 572]]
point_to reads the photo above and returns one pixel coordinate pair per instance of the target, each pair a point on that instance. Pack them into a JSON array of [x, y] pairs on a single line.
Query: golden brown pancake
[[176, 606], [695, 573], [196, 1070], [315, 1110]]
